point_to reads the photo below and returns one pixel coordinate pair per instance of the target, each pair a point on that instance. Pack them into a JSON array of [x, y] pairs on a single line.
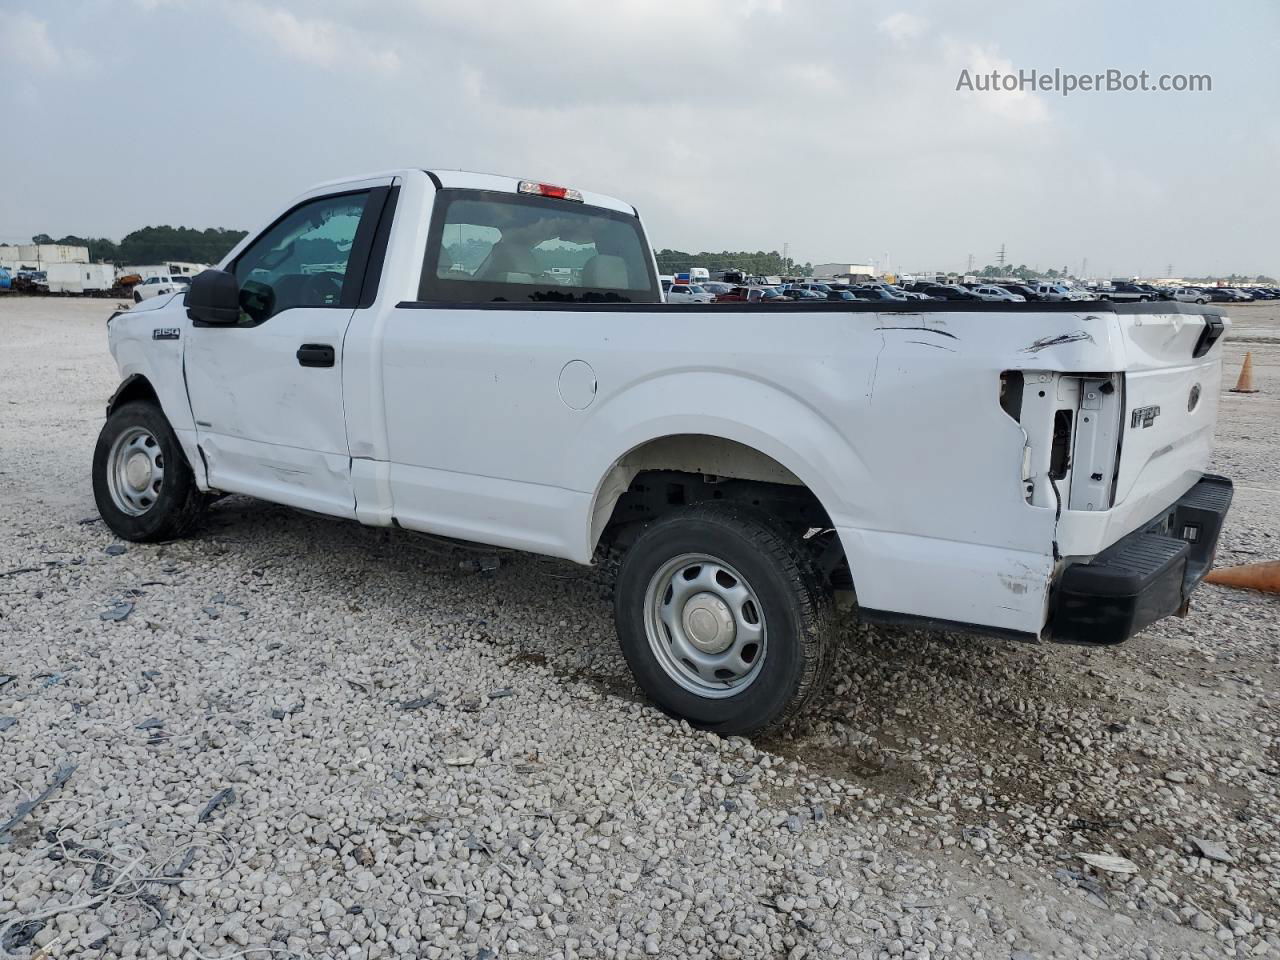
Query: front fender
[[148, 345], [130, 386]]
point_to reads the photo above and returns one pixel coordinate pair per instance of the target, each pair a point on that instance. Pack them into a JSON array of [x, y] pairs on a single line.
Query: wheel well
[[135, 387], [677, 471]]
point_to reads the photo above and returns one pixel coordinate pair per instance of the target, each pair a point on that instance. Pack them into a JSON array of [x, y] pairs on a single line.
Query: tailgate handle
[[316, 355], [1213, 329]]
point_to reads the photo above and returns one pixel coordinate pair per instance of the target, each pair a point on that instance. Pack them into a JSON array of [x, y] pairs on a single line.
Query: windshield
[[490, 246]]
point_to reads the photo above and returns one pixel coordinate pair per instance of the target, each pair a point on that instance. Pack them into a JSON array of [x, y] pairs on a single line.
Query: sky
[[833, 126]]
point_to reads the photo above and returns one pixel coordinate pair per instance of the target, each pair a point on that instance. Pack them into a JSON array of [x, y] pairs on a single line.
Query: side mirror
[[213, 299]]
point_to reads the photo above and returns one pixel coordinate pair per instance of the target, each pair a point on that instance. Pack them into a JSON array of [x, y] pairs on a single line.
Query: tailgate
[[1173, 375]]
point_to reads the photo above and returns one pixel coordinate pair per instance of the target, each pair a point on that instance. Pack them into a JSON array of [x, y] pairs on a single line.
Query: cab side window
[[302, 260]]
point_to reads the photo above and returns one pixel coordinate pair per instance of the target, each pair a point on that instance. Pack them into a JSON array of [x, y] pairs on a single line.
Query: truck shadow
[[904, 708], [991, 747]]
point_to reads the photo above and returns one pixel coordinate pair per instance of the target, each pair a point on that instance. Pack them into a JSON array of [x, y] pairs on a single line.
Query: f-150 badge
[[1143, 417]]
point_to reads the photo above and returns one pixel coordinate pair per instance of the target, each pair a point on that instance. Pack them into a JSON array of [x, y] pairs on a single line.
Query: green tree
[[158, 244], [101, 250], [42, 238], [765, 263]]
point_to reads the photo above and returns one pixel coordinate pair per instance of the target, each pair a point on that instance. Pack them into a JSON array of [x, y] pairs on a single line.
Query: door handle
[[315, 355]]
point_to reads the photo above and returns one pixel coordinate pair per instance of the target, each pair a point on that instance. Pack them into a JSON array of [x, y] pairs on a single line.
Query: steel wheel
[[705, 625], [135, 471]]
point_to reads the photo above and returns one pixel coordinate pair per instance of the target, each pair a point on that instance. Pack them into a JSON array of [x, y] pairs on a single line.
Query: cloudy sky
[[832, 125]]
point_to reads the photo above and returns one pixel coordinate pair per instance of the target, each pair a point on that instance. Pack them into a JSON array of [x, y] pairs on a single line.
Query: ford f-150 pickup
[[490, 359]]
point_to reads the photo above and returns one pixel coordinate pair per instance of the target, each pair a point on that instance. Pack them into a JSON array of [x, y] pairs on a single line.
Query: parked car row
[[878, 291], [1223, 294]]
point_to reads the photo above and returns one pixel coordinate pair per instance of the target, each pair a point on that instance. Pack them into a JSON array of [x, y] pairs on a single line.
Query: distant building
[[841, 271], [38, 256]]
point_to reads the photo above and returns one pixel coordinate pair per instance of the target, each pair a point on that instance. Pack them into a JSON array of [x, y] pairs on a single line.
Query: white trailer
[[174, 268], [80, 277]]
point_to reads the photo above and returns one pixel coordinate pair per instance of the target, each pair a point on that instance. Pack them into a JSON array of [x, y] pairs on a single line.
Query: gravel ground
[[296, 735]]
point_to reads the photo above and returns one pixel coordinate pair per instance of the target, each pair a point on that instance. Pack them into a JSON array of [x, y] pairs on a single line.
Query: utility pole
[[1168, 270], [969, 269], [1084, 268], [786, 256], [1000, 258]]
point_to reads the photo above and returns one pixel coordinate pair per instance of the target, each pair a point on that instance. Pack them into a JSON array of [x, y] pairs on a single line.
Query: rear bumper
[[1145, 576]]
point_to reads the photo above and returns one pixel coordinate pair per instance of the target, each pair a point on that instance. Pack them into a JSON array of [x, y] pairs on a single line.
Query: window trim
[[440, 205], [356, 278], [377, 252]]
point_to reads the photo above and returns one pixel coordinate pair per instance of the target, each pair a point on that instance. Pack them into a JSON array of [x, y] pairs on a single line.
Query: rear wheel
[[724, 618], [142, 483]]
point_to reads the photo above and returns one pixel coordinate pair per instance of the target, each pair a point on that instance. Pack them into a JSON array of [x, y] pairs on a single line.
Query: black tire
[[1200, 300], [797, 609], [179, 505], [137, 297]]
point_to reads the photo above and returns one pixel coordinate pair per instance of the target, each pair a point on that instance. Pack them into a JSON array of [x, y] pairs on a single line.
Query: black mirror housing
[[213, 299]]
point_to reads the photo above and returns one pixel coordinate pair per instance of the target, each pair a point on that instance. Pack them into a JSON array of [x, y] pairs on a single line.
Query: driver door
[[266, 393]]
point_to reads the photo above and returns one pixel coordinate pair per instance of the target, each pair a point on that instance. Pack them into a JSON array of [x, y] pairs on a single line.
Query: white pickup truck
[[490, 359]]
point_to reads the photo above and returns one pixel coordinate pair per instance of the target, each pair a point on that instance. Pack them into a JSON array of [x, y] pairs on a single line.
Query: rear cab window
[[487, 246]]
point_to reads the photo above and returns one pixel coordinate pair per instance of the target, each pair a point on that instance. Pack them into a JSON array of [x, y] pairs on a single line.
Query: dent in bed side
[[660, 407], [926, 530], [902, 556]]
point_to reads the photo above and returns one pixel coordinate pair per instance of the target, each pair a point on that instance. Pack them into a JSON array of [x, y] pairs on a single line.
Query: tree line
[[155, 245], [1026, 274], [770, 263], [1021, 271]]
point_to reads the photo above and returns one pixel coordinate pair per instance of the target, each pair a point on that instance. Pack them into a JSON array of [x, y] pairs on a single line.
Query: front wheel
[[724, 618], [1200, 300], [142, 483]]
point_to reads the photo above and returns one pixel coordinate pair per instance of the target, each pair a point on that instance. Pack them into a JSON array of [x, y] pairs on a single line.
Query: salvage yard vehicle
[[689, 293], [1190, 295], [996, 294], [764, 295], [1057, 292], [1033, 470], [157, 286]]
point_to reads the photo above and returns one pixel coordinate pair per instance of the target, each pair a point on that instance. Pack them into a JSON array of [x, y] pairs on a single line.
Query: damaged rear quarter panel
[[954, 537]]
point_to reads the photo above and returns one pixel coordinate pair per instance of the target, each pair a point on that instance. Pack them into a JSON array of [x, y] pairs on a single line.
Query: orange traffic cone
[[1245, 383], [1250, 576]]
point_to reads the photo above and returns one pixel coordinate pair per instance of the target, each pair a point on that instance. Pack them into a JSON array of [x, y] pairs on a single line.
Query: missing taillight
[[1060, 455], [1011, 384]]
